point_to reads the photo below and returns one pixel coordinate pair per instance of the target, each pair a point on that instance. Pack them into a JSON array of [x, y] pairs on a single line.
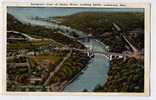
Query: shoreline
[[77, 75]]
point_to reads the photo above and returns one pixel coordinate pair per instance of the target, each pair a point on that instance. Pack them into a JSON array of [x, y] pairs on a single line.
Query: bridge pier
[[90, 53], [110, 57]]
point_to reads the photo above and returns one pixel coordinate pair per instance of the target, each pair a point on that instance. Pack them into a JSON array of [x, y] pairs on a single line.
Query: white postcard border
[[146, 6]]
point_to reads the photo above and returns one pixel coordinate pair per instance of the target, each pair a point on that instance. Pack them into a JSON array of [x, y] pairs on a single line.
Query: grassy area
[[32, 45], [52, 59], [28, 45]]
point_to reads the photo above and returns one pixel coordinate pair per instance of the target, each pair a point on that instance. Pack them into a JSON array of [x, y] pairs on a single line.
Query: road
[[133, 48], [29, 38], [58, 67], [126, 40]]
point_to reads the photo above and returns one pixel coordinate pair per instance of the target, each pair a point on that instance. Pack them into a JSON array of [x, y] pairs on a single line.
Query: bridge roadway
[[82, 50]]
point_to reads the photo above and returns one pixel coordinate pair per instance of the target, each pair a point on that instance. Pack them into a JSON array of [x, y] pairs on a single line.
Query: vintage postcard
[[76, 49]]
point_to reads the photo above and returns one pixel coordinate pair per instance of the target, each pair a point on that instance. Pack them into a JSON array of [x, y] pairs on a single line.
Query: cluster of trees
[[99, 22], [136, 38], [115, 42], [124, 76], [15, 75]]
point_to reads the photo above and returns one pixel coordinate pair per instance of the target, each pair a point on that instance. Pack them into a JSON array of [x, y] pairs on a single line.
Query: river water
[[96, 72], [97, 69]]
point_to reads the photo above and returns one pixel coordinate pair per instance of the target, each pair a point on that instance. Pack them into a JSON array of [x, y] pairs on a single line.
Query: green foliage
[[98, 22], [124, 76]]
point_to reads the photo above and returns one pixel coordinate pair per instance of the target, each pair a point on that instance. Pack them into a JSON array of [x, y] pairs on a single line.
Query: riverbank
[[75, 77], [124, 76]]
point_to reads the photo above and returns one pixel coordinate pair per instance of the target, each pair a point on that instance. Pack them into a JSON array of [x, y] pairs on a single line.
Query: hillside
[[100, 24], [16, 25], [124, 76]]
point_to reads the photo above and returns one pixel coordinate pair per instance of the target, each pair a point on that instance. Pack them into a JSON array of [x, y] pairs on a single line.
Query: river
[[98, 67], [96, 72]]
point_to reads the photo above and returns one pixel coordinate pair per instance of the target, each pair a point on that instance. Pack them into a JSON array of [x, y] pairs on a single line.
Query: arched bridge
[[91, 52]]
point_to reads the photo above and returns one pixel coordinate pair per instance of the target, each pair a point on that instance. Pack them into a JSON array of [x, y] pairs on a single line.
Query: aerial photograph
[[75, 49]]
